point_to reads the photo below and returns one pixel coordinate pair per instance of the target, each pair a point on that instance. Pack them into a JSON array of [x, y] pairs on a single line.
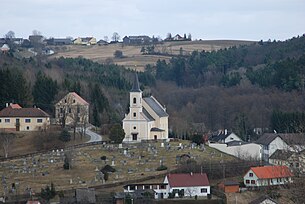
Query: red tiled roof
[[188, 180], [22, 112], [266, 172], [80, 99]]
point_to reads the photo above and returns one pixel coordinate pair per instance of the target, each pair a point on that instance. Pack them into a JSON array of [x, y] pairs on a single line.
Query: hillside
[[134, 59]]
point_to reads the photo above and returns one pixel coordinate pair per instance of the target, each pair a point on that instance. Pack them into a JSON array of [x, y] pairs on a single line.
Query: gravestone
[[162, 144], [120, 146]]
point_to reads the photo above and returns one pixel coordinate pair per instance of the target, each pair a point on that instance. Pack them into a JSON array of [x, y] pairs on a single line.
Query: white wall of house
[[25, 123], [244, 151], [192, 191], [277, 143]]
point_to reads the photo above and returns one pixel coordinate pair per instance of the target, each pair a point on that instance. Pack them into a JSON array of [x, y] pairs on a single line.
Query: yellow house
[[85, 41], [147, 118], [16, 118], [72, 109]]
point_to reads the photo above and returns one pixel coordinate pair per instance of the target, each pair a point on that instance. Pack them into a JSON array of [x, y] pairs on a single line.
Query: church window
[[134, 100], [134, 114], [134, 127]]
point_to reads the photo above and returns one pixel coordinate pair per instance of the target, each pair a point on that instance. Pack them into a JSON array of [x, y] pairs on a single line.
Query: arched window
[[134, 100]]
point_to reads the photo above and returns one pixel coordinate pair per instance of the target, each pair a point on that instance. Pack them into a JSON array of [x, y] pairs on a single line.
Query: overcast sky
[[213, 19]]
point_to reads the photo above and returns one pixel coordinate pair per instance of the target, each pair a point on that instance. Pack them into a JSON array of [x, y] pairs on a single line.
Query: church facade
[[147, 118]]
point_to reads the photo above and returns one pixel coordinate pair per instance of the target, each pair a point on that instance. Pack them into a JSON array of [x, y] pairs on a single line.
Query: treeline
[[222, 67], [42, 82], [288, 122]]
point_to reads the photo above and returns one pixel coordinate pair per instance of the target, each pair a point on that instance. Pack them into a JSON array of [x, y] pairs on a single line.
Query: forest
[[239, 88]]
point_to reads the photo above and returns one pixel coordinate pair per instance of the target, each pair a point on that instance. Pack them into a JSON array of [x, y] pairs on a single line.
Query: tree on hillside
[[65, 136], [115, 37], [48, 193], [117, 133], [6, 140], [44, 91], [118, 54], [10, 34]]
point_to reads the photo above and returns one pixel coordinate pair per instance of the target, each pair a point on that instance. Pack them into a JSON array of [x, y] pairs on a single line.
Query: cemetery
[[96, 165]]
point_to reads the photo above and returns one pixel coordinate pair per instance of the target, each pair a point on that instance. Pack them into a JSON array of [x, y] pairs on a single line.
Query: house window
[[247, 181], [250, 174], [39, 120], [132, 188], [73, 100], [134, 114], [146, 187], [7, 120], [65, 100], [70, 110], [291, 165], [61, 110], [162, 187], [27, 120], [0, 120], [252, 181], [134, 100], [204, 190], [297, 164]]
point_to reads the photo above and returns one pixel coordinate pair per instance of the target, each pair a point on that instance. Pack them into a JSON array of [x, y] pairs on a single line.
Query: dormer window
[[134, 100]]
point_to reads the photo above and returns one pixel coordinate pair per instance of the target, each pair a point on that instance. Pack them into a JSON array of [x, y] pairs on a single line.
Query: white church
[[147, 118]]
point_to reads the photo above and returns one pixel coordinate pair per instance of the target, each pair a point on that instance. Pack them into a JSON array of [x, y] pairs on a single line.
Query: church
[[147, 118]]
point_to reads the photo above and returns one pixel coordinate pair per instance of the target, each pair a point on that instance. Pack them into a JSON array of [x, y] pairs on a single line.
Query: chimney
[[191, 173], [6, 105], [226, 131]]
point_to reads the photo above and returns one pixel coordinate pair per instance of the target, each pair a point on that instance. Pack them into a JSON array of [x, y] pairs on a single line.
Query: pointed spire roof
[[136, 85]]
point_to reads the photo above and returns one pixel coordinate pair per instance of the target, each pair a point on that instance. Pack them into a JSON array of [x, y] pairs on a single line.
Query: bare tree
[[10, 34], [115, 37], [36, 32], [6, 140], [106, 38]]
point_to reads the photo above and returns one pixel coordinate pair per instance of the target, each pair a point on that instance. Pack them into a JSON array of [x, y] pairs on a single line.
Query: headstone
[[162, 144], [112, 163], [125, 152], [120, 146]]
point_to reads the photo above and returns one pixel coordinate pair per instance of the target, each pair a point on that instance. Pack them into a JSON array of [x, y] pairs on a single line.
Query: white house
[[267, 176], [280, 141], [190, 184], [224, 137], [147, 118], [160, 190]]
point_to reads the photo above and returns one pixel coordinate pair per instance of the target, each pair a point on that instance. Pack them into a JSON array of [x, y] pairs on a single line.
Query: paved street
[[94, 136]]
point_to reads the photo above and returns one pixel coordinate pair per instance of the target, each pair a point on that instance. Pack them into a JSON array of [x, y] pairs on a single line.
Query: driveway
[[94, 137]]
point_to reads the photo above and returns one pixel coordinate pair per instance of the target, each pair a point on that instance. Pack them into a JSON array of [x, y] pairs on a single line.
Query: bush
[[118, 54], [107, 169], [161, 168], [64, 136]]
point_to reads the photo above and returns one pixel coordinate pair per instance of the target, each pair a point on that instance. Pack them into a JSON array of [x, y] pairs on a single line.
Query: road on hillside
[[94, 137]]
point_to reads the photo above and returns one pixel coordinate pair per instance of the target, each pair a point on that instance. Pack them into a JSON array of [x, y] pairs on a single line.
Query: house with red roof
[[72, 109], [15, 118], [267, 176], [190, 184]]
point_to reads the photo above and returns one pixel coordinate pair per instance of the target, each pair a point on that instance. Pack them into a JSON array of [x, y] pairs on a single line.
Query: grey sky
[[213, 19]]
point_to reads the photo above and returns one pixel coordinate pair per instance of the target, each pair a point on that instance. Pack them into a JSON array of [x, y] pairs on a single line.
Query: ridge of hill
[[134, 58]]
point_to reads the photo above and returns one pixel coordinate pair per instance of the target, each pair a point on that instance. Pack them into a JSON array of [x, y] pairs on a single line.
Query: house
[[294, 160], [270, 142], [263, 200], [188, 184], [72, 109], [224, 137], [59, 41], [5, 48], [274, 141], [267, 176], [229, 186], [147, 118], [102, 42], [136, 40], [159, 190], [85, 41], [80, 195], [15, 118]]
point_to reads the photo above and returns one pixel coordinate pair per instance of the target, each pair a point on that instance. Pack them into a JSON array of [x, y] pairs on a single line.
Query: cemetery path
[[94, 137]]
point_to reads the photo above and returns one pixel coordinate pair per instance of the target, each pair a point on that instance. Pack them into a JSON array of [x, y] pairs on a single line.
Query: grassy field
[[38, 171], [133, 57]]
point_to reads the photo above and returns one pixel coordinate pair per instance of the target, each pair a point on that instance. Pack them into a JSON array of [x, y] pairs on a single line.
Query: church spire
[[136, 86]]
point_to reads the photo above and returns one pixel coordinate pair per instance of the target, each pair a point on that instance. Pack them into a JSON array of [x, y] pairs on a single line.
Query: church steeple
[[136, 85]]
